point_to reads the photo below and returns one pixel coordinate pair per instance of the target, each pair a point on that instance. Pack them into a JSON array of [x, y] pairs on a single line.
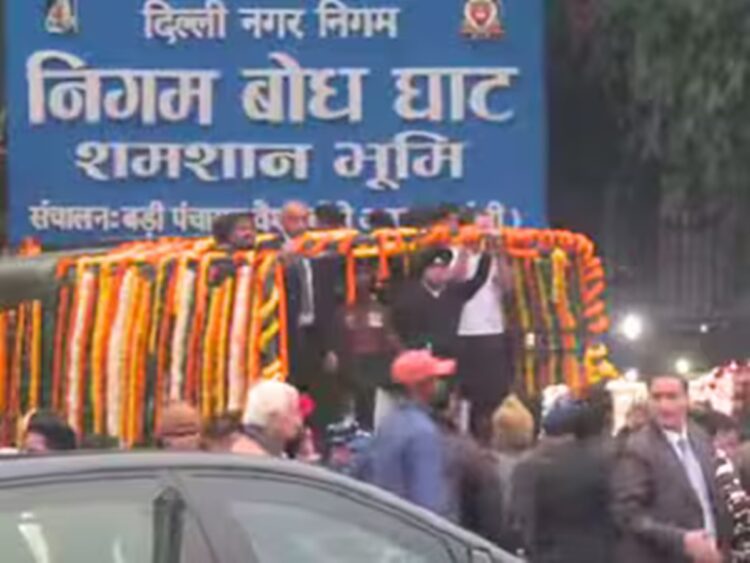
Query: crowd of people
[[409, 389], [449, 300]]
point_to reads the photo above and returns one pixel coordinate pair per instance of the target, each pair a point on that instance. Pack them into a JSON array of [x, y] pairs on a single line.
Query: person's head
[[727, 437], [560, 420], [221, 431], [380, 219], [436, 268], [467, 216], [637, 416], [669, 401], [46, 432], [329, 216], [723, 429], [179, 428], [418, 372], [594, 416], [235, 230], [274, 407], [512, 426], [448, 215], [365, 279], [414, 217], [485, 222], [295, 218]]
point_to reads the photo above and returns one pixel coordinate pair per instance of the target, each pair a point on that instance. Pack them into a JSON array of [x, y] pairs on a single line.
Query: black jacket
[[477, 496], [328, 292], [561, 496], [421, 318], [653, 501]]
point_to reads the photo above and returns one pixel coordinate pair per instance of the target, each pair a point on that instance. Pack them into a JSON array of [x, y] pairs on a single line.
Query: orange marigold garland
[[35, 359], [197, 329], [283, 318], [161, 395], [182, 308], [4, 371], [238, 334], [253, 360], [78, 345], [208, 369], [222, 349], [116, 353], [153, 307]]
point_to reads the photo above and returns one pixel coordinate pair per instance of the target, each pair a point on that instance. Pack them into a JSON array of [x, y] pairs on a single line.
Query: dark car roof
[[31, 468]]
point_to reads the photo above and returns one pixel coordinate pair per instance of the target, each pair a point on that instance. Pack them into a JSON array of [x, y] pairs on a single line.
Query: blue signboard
[[135, 118]]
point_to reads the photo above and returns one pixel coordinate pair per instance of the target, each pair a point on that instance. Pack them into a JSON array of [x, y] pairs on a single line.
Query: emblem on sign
[[61, 16], [482, 19]]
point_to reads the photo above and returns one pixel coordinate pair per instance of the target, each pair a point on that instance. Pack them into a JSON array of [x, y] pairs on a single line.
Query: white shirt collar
[[434, 292]]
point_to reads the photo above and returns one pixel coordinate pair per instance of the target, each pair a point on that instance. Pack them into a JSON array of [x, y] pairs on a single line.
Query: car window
[[103, 521], [288, 522]]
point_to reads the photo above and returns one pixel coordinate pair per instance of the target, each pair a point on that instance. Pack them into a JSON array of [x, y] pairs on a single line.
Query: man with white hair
[[272, 419]]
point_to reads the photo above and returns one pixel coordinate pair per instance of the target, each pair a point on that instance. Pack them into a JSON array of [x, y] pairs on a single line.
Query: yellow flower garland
[[35, 360], [222, 348], [210, 345]]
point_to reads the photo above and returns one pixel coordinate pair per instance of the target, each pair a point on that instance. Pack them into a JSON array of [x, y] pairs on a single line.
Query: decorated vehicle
[[120, 333]]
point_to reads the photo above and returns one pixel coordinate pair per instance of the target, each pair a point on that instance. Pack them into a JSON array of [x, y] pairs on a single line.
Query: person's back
[[475, 498], [406, 457], [561, 490], [571, 481]]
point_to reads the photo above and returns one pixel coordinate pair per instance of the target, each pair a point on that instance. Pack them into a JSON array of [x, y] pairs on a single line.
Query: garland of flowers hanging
[[180, 319], [21, 357]]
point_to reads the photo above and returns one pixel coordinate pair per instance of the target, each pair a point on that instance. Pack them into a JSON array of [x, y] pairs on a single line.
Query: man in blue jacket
[[407, 456]]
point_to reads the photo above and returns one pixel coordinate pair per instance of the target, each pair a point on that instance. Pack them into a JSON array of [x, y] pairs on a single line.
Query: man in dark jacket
[[665, 499], [560, 499], [427, 310], [312, 300]]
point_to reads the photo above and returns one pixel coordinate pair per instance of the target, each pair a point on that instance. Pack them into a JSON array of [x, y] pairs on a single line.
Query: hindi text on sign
[[63, 88], [162, 21], [466, 86], [273, 22], [290, 93], [207, 162], [336, 19], [412, 153]]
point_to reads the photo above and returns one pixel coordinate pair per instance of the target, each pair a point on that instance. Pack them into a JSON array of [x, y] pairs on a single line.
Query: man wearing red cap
[[407, 456]]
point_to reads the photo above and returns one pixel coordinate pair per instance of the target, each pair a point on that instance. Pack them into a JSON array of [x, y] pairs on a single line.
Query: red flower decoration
[[306, 405]]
